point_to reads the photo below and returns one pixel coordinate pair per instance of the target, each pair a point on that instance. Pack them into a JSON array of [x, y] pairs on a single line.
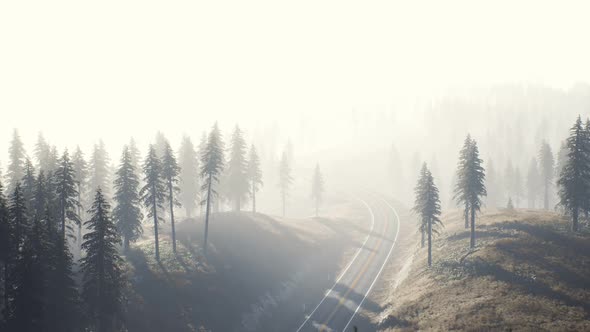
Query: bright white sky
[[80, 70]]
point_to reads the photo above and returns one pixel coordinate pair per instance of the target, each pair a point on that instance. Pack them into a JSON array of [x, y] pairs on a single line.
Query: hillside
[[526, 273], [252, 278]]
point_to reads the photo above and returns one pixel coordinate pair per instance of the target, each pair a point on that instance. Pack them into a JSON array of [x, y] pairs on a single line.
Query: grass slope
[[526, 273], [251, 280]]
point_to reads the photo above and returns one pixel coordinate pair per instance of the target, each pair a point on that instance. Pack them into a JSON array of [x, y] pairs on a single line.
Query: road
[[338, 309]]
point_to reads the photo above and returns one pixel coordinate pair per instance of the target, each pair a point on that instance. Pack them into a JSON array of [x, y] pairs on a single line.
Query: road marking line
[[358, 277], [349, 264], [382, 266]]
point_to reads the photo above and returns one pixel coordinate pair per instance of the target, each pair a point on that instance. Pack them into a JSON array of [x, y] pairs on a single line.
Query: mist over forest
[[306, 166]]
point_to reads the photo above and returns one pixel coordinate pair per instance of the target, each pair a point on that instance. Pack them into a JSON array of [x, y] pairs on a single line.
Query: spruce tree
[[254, 175], [153, 193], [533, 183], [547, 169], [67, 194], [475, 185], [18, 219], [135, 156], [573, 182], [127, 213], [28, 185], [98, 170], [237, 169], [103, 279], [461, 189], [285, 179], [42, 153], [16, 163], [53, 161], [317, 188], [212, 163], [170, 173], [427, 206], [189, 176], [81, 177], [5, 246]]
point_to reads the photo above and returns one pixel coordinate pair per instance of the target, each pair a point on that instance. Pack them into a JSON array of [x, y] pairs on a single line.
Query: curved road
[[338, 309]]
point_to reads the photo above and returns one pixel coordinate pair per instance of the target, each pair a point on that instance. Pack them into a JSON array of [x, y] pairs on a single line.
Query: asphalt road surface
[[338, 309]]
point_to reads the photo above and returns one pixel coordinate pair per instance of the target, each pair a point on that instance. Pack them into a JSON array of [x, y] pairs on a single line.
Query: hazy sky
[[80, 70]]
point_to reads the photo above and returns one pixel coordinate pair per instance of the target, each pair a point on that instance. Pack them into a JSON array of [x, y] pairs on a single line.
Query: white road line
[[382, 266], [349, 264]]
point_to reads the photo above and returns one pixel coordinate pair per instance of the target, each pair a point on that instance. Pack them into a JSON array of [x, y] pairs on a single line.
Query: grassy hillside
[[527, 273], [254, 271]]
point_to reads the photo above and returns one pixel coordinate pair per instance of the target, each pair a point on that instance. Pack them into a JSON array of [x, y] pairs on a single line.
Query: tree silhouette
[[254, 175], [427, 206], [153, 193], [127, 213], [103, 277], [16, 163], [285, 178], [189, 175], [547, 169], [461, 189], [475, 185], [317, 188], [237, 170], [67, 193], [212, 163], [573, 181], [170, 173]]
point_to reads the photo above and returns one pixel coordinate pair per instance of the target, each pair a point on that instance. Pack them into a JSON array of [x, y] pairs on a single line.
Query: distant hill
[[528, 272]]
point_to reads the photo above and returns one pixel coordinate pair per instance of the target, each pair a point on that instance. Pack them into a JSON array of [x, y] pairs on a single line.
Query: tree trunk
[[575, 216], [171, 193], [79, 248], [466, 215], [126, 244], [155, 213], [207, 214], [472, 244], [429, 242], [6, 283]]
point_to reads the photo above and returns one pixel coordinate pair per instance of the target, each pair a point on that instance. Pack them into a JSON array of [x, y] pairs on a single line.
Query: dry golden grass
[[526, 273]]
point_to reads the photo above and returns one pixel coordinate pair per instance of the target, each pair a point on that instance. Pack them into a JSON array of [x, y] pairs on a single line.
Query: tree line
[[45, 217], [573, 183]]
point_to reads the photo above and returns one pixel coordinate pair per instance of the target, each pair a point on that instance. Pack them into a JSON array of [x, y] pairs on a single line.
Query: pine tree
[[127, 213], [160, 144], [574, 178], [67, 193], [285, 179], [427, 206], [170, 173], [317, 188], [5, 245], [99, 170], [254, 175], [42, 153], [18, 219], [237, 167], [103, 282], [28, 185], [212, 163], [25, 309], [189, 176], [153, 193], [533, 183], [475, 185], [135, 156], [53, 161], [17, 158], [81, 177], [547, 168], [460, 191]]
